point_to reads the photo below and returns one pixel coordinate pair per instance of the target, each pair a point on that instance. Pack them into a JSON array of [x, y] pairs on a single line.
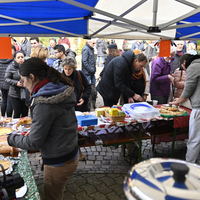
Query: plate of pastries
[[167, 111]]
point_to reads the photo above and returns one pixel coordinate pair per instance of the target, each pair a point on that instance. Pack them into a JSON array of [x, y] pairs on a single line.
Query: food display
[[6, 164], [171, 111], [115, 115], [23, 121], [101, 111], [7, 120], [5, 130]]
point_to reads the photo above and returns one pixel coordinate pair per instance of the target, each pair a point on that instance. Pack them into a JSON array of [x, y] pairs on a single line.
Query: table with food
[[134, 119], [16, 162]]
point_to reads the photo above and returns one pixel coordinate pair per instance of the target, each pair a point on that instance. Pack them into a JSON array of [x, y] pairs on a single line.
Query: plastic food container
[[163, 179], [141, 110], [87, 120]]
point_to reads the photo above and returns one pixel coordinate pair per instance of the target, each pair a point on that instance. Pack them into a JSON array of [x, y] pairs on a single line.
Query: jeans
[[92, 78], [98, 60], [55, 179], [6, 106], [20, 108], [193, 144]]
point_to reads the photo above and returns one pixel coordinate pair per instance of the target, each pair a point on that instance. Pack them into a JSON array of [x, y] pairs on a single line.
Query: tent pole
[[155, 10]]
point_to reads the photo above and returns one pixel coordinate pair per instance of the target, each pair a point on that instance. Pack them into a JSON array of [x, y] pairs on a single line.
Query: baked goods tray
[[169, 116], [119, 118]]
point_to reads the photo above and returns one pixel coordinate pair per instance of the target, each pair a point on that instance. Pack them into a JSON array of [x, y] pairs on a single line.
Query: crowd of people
[[46, 80]]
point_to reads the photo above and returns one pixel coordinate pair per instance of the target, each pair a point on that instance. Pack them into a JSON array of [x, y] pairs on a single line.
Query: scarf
[[138, 75], [39, 85], [180, 53]]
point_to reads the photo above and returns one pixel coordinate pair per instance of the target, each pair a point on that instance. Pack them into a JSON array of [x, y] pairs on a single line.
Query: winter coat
[[51, 59], [116, 79], [88, 61], [108, 59], [3, 66], [101, 47], [26, 47], [11, 78], [175, 64], [54, 124], [65, 41], [159, 82], [78, 90], [179, 82]]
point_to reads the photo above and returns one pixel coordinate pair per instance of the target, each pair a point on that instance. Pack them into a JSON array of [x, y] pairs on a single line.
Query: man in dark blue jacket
[[116, 78], [88, 61]]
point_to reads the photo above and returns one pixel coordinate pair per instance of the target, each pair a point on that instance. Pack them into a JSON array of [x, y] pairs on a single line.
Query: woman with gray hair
[[81, 86]]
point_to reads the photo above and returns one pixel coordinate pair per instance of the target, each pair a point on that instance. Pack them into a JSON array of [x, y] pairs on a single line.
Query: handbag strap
[[81, 81]]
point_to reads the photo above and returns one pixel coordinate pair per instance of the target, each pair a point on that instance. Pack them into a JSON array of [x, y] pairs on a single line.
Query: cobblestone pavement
[[101, 176]]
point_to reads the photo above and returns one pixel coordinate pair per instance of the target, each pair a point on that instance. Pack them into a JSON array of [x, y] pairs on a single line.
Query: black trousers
[[20, 108], [6, 106]]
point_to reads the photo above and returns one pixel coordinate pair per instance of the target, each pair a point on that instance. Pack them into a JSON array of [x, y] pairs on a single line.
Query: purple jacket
[[159, 82]]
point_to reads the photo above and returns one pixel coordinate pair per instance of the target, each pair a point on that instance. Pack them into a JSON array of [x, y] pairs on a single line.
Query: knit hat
[[112, 46]]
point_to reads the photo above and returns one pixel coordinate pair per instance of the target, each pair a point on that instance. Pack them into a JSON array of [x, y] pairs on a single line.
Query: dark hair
[[113, 52], [60, 48], [141, 57], [186, 57], [35, 38], [53, 39], [15, 54], [13, 47], [41, 70], [190, 59]]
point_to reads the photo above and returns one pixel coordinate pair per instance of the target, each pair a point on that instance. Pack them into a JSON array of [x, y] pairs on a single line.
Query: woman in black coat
[[82, 88], [13, 79]]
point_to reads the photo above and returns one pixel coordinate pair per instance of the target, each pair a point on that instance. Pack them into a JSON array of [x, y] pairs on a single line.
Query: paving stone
[[103, 188], [108, 181], [113, 196], [103, 153], [91, 158], [73, 188], [89, 162], [105, 162], [69, 196], [88, 188], [96, 153], [98, 196], [107, 157], [82, 196], [99, 157], [97, 162]]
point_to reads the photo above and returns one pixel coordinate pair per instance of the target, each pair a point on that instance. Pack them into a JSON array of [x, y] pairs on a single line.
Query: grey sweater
[[192, 85]]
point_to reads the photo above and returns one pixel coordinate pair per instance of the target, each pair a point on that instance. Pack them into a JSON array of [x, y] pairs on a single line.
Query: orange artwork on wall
[[164, 49], [5, 48]]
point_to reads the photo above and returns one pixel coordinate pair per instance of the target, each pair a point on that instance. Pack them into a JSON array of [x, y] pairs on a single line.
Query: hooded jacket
[[116, 78], [88, 61], [54, 124], [101, 47], [179, 82], [3, 66], [26, 47]]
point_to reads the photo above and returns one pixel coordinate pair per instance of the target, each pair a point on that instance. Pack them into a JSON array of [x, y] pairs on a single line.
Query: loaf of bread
[[24, 120]]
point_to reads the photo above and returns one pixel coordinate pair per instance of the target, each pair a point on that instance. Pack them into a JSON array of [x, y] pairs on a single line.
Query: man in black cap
[[116, 79]]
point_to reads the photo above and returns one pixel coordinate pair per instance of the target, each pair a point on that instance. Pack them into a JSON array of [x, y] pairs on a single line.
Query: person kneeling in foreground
[[54, 124]]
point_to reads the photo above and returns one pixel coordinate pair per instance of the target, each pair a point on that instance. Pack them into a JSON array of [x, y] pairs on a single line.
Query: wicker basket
[[119, 118]]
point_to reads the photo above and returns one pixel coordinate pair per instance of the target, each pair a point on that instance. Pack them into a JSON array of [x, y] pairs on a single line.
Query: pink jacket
[[179, 82]]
